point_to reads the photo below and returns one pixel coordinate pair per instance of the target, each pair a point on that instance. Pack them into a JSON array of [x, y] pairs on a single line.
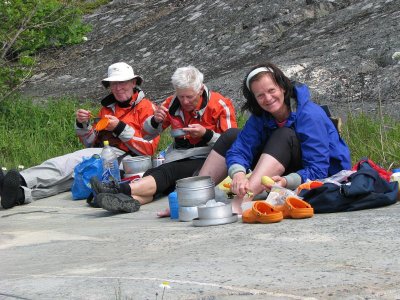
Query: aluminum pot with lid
[[195, 196], [194, 182], [136, 164]]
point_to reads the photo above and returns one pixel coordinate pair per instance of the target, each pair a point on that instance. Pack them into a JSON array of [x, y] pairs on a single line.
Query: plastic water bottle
[[110, 164]]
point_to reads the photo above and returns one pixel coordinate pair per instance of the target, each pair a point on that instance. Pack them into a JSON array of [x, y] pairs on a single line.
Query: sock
[[22, 180], [125, 188]]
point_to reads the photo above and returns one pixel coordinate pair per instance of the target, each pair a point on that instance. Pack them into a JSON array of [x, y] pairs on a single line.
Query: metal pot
[[214, 212], [194, 182], [178, 132], [211, 222], [187, 213], [136, 164], [195, 196]]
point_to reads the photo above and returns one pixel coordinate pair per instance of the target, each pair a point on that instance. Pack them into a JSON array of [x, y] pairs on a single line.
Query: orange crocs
[[296, 208], [262, 212], [309, 186]]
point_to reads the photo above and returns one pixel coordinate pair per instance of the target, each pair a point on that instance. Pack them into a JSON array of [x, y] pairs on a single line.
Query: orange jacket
[[216, 113], [127, 136]]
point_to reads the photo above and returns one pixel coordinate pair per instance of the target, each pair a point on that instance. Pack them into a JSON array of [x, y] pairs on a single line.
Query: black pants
[[283, 145], [167, 174]]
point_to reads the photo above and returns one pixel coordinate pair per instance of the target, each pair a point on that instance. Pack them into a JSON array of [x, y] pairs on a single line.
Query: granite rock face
[[345, 50]]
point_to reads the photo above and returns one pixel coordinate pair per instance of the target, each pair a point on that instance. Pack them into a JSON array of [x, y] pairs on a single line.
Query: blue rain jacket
[[324, 153]]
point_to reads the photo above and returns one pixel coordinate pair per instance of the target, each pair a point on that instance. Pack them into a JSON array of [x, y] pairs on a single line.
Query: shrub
[[27, 26]]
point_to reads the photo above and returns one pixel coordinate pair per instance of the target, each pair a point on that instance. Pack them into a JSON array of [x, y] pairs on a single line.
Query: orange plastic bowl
[[102, 124]]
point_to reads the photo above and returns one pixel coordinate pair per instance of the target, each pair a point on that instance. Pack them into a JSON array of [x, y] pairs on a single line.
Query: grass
[[376, 137], [33, 132]]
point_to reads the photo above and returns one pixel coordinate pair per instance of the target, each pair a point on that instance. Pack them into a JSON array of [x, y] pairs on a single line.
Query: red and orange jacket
[[216, 113], [127, 136]]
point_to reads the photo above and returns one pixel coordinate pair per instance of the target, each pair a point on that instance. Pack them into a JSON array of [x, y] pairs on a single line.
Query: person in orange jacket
[[125, 109], [197, 117]]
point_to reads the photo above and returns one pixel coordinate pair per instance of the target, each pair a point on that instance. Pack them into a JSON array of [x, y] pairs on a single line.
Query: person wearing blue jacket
[[287, 137]]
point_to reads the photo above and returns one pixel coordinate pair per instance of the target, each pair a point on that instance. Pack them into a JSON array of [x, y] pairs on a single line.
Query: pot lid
[[211, 222]]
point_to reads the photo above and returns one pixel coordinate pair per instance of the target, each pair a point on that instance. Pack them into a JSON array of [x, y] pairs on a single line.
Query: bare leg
[[142, 199], [143, 189], [214, 166], [266, 165]]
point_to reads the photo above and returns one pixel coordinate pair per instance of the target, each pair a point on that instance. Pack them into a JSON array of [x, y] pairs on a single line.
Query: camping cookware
[[215, 212], [136, 164]]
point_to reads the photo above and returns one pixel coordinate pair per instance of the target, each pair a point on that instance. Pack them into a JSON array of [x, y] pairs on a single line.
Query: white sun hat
[[121, 72]]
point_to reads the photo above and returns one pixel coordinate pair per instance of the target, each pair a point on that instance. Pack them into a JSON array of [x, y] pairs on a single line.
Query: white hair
[[187, 77]]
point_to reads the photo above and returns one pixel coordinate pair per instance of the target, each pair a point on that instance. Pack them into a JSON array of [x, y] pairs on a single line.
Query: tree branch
[[20, 30]]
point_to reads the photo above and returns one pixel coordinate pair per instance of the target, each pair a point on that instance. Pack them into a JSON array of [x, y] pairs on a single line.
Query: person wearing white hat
[[125, 110], [120, 72]]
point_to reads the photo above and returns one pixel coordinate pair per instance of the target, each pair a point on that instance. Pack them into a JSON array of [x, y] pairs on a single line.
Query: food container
[[187, 213], [102, 124], [194, 182], [197, 222], [136, 164], [177, 132], [215, 212], [194, 191], [195, 196]]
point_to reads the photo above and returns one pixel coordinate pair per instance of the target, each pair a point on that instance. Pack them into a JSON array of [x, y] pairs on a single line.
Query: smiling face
[[188, 98], [122, 90], [270, 96]]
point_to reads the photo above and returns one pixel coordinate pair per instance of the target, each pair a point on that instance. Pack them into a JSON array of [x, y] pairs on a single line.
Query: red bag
[[384, 174]]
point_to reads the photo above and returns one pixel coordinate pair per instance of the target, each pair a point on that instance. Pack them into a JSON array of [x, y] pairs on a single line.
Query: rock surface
[[345, 50]]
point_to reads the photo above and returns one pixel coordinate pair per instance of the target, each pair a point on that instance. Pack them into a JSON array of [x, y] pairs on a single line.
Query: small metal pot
[[136, 164], [194, 182], [195, 196], [187, 214], [214, 212], [177, 132]]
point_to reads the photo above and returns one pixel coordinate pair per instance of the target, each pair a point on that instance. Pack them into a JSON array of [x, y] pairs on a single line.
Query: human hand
[[82, 115], [160, 113], [281, 181], [112, 122], [240, 184], [195, 130]]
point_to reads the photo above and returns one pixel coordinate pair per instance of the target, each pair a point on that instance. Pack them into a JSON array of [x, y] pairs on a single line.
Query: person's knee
[[230, 134], [284, 146], [225, 141]]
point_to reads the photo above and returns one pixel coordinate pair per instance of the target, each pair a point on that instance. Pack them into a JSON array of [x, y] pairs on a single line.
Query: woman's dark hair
[[280, 79]]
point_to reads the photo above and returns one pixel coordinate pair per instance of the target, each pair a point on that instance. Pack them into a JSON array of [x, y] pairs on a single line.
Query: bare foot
[[236, 205], [164, 213]]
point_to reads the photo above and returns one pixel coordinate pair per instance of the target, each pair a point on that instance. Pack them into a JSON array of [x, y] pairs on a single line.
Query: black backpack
[[364, 189]]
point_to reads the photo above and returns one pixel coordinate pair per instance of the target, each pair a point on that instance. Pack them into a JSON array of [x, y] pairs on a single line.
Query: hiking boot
[[99, 187], [118, 203], [12, 194]]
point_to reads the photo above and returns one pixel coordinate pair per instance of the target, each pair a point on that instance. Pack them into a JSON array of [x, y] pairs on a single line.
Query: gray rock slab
[[343, 49], [57, 248]]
